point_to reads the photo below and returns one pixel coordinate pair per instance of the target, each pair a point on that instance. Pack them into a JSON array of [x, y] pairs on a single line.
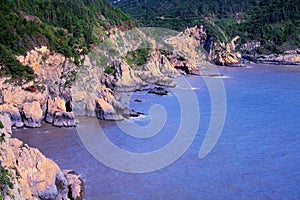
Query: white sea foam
[[223, 77], [140, 118]]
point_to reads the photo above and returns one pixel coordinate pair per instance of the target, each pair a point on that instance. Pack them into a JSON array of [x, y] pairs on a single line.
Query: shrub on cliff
[[5, 182]]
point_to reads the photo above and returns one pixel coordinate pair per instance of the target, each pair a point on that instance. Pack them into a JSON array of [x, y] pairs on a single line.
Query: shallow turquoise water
[[256, 157]]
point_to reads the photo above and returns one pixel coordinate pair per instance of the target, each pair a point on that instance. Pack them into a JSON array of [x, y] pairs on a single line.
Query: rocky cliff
[[46, 98], [33, 175], [62, 90]]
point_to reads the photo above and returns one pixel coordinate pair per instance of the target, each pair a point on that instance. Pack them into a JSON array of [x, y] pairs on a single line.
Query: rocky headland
[[32, 174], [61, 90]]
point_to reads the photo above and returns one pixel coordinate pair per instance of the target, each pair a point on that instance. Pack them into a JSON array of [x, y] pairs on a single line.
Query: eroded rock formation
[[34, 176]]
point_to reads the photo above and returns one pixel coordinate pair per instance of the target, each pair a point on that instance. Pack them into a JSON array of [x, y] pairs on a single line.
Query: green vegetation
[[5, 182], [177, 14], [2, 136], [67, 83], [1, 124], [110, 70], [274, 23], [69, 27], [137, 57]]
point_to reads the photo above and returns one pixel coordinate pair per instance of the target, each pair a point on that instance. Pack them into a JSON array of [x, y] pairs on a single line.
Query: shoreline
[[234, 154]]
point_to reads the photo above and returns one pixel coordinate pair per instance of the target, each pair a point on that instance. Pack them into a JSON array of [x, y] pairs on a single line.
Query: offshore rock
[[159, 91]]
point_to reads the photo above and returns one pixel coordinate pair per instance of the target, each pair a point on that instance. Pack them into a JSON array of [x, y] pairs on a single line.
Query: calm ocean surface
[[256, 157]]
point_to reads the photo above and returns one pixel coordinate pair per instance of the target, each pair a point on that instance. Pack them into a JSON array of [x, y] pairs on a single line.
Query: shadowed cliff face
[[33, 175]]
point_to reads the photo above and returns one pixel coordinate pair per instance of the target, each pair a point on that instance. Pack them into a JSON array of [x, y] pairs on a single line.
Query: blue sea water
[[256, 157]]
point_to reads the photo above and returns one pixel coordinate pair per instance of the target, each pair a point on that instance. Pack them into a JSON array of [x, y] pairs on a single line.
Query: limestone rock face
[[158, 70], [53, 73], [32, 114], [125, 78], [91, 98], [185, 48], [34, 176], [57, 113]]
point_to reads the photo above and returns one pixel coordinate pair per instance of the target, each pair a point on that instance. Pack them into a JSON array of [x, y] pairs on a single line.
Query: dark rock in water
[[132, 113], [138, 100], [158, 91], [136, 114], [184, 68]]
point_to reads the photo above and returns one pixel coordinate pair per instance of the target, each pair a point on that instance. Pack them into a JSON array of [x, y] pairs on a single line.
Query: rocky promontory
[[32, 174]]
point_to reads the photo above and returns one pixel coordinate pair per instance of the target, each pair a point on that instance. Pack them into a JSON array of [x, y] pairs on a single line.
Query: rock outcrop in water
[[33, 175]]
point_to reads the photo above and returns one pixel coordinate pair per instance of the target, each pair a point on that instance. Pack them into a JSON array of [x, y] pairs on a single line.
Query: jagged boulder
[[66, 119], [32, 114]]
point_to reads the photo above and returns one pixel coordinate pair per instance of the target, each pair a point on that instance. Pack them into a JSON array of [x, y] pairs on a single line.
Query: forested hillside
[[68, 27], [273, 23]]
